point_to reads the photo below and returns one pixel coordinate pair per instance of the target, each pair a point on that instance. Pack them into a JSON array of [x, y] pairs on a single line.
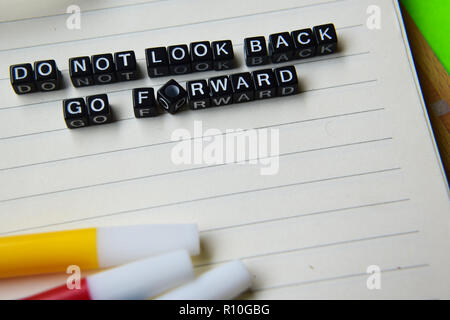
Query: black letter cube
[[80, 71], [281, 47], [243, 87], [304, 43], [75, 113], [144, 103], [201, 56], [47, 75], [126, 66], [98, 109], [198, 94], [157, 62], [265, 84], [255, 51], [172, 96], [287, 81], [179, 59], [104, 69], [22, 78], [223, 55], [221, 91], [326, 38]]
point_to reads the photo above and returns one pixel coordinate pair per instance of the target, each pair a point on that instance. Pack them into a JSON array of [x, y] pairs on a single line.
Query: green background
[[432, 17]]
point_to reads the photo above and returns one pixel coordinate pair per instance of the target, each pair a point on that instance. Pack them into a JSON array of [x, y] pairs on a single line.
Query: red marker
[[137, 280]]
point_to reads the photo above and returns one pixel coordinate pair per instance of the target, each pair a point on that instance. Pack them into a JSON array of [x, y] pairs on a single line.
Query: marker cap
[[143, 278], [222, 283], [119, 245]]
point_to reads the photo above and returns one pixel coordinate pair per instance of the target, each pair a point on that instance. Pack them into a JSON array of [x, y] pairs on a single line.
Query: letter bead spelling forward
[[144, 103], [80, 71], [287, 81], [221, 91], [326, 39], [75, 113], [243, 87], [47, 75], [104, 68], [198, 94], [172, 96], [265, 84], [98, 109], [22, 78]]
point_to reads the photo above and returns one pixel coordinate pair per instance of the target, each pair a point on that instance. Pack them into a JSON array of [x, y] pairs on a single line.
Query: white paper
[[359, 182]]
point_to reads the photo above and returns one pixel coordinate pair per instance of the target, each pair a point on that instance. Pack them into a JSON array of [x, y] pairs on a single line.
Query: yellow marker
[[91, 248]]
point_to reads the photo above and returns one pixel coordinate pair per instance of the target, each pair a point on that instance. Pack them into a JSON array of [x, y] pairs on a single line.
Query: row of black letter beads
[[284, 47], [80, 113], [103, 68], [179, 59], [242, 87], [44, 77]]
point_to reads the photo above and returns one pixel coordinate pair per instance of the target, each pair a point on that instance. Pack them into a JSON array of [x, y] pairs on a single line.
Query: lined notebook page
[[359, 182]]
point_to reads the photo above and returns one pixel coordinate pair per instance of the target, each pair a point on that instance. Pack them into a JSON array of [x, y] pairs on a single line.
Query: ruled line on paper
[[162, 83], [317, 246], [342, 277], [84, 11], [192, 138], [176, 26], [297, 62], [218, 196], [189, 170]]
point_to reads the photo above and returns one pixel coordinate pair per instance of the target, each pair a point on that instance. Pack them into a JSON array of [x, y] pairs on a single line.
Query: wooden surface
[[435, 83]]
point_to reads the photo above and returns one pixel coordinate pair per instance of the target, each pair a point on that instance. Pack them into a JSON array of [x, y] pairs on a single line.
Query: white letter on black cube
[[201, 56], [75, 113], [223, 55], [47, 75], [157, 62], [304, 43], [243, 87], [287, 81], [326, 38], [281, 47], [80, 71], [98, 109], [198, 94], [265, 84], [255, 51], [179, 59], [126, 66], [144, 103], [221, 91], [104, 69], [22, 78]]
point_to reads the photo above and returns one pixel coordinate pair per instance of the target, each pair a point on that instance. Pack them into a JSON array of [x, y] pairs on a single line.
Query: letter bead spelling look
[[181, 59], [44, 77], [95, 110]]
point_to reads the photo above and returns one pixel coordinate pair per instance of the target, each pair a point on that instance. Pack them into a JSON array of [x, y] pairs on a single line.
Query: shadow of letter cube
[[98, 109], [255, 51], [22, 78], [304, 43], [144, 103], [326, 38], [243, 87], [126, 66], [281, 47], [201, 56], [75, 113], [80, 71], [221, 91], [287, 81], [179, 59], [223, 55], [198, 94], [157, 62], [265, 84], [47, 75], [172, 96], [104, 69]]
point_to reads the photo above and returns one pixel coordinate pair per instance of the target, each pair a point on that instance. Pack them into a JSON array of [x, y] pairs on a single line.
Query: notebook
[[358, 206]]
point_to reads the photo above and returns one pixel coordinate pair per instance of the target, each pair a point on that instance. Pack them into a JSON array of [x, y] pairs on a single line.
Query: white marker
[[222, 283]]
